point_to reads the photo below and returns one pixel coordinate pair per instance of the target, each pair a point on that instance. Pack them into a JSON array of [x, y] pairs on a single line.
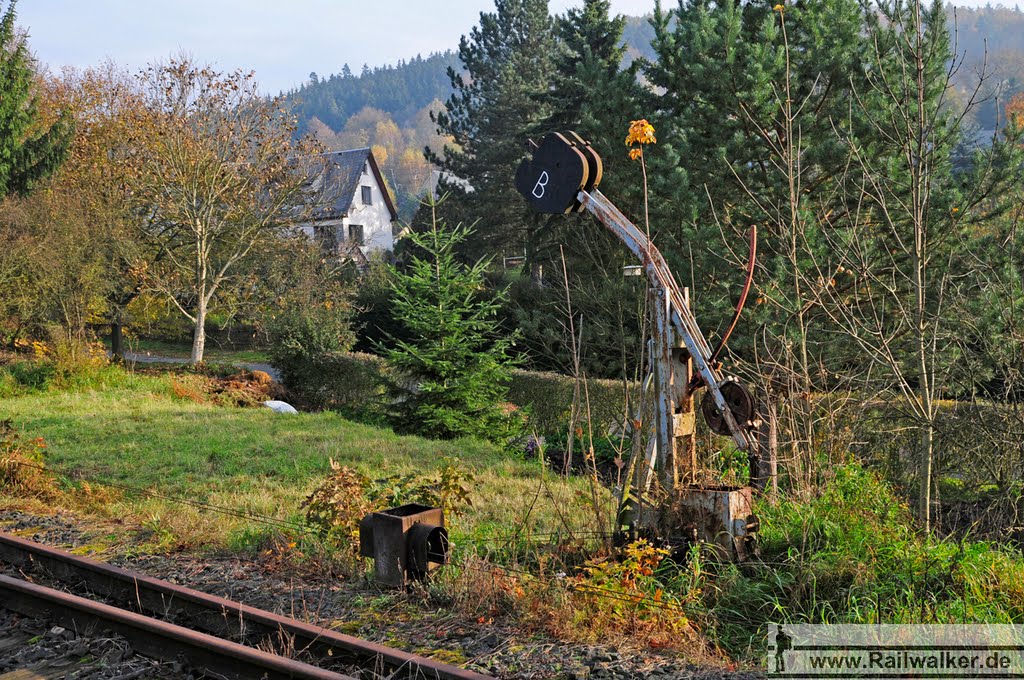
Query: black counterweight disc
[[740, 403]]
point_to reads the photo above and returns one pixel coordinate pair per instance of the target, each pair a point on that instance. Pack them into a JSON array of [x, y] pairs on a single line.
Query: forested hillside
[[401, 90], [388, 107]]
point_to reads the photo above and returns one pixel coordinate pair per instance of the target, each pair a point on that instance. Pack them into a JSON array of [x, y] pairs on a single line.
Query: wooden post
[[685, 418], [664, 350], [676, 421]]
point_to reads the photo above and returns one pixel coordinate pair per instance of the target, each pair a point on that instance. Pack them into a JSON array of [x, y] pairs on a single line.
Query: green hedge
[[354, 384], [350, 383], [547, 399]]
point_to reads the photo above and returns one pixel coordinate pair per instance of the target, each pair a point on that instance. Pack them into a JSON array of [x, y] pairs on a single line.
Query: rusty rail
[[220, 617], [154, 638]]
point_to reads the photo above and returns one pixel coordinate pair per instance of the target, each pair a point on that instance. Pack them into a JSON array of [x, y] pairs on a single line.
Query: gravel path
[[140, 358], [355, 607]]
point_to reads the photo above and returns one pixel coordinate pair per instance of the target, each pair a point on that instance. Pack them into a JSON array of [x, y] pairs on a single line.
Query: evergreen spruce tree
[[495, 105], [592, 94], [27, 153], [454, 368]]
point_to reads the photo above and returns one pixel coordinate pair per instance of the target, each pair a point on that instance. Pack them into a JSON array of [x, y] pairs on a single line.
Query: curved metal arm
[[660, 276], [743, 297]]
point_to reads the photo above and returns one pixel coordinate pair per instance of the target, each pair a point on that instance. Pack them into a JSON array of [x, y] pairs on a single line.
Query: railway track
[[167, 621]]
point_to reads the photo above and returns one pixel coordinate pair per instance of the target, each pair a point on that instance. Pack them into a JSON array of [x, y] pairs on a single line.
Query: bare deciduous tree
[[215, 169]]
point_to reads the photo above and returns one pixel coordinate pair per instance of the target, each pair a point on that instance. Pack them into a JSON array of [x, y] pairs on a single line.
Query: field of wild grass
[[848, 553], [156, 432]]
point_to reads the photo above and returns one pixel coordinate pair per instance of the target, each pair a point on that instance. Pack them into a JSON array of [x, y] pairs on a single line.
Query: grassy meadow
[[152, 431]]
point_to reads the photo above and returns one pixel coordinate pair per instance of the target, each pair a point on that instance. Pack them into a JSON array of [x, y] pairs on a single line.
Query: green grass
[[131, 429], [851, 553]]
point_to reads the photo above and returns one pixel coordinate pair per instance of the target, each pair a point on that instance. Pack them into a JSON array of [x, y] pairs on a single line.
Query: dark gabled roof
[[343, 173]]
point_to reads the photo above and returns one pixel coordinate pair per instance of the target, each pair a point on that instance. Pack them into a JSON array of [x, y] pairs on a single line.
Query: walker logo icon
[[890, 651]]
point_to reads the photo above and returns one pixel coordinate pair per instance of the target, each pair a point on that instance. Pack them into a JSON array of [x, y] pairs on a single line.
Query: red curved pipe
[[743, 297]]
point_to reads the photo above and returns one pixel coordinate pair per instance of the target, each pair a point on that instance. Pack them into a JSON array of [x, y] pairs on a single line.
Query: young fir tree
[[28, 151], [454, 368], [507, 61]]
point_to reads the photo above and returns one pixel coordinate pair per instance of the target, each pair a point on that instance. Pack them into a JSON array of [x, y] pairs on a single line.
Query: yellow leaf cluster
[[640, 132]]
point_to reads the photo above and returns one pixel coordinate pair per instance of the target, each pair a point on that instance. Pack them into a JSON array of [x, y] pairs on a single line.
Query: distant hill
[[386, 108], [400, 90], [987, 38]]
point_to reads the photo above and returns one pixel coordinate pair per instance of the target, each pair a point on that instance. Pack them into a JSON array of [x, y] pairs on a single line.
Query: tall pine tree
[[592, 94], [29, 150], [749, 99], [507, 61]]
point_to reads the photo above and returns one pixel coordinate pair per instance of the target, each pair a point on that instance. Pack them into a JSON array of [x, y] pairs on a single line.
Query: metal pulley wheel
[[737, 398]]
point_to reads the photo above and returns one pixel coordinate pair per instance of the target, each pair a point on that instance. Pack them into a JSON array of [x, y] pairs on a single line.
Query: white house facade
[[359, 216]]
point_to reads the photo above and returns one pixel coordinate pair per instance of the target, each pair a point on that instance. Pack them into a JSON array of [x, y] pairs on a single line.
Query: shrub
[[633, 594], [547, 398], [336, 505], [22, 463], [349, 383], [301, 337], [61, 364]]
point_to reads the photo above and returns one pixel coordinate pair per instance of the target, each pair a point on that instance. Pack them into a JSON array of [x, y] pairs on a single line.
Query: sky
[[281, 40]]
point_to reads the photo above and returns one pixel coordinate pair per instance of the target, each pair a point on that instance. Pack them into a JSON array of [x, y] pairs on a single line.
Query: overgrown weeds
[[852, 554], [58, 365], [22, 464], [633, 597]]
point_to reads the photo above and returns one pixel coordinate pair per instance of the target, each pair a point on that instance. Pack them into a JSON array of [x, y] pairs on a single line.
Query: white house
[[359, 216]]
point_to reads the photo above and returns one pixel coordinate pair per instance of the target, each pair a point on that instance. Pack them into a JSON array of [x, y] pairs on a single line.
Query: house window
[[367, 195], [355, 234], [366, 168], [327, 237]]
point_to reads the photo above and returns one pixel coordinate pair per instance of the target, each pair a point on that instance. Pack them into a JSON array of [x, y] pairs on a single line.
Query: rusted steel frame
[[658, 271], [743, 298], [155, 638], [219, 616], [660, 275]]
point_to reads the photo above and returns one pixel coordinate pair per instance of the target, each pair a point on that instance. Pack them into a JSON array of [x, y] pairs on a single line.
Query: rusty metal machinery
[[562, 176], [406, 543]]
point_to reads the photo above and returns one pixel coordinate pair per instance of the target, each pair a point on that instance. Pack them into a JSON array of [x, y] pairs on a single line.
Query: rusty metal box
[[405, 542], [721, 517]]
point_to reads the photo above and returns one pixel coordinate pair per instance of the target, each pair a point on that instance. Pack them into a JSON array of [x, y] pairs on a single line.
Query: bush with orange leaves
[[631, 598], [22, 469], [1015, 110], [629, 593]]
